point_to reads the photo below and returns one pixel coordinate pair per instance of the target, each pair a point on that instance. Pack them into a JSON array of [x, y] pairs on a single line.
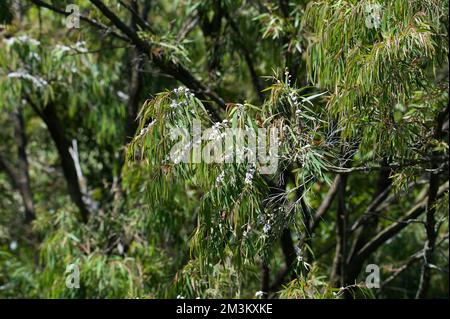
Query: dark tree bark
[[23, 167], [19, 176], [430, 225], [54, 126], [247, 57], [369, 228], [325, 204], [211, 29], [387, 233], [135, 87], [287, 246], [339, 264], [178, 71], [265, 278], [169, 67]]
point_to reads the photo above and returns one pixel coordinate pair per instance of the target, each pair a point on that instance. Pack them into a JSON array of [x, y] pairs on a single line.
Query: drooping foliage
[[107, 129]]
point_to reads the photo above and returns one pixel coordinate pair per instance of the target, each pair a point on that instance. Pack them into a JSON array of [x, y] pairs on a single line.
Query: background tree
[[362, 162]]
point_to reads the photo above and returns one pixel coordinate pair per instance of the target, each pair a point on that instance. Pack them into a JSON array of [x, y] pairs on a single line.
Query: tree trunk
[[62, 144], [19, 177], [430, 226], [339, 263]]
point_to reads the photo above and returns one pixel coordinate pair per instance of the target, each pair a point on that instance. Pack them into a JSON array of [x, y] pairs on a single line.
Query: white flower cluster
[[288, 77], [79, 47], [294, 98], [247, 231], [182, 93], [180, 154], [145, 129], [245, 152], [249, 175], [60, 49], [299, 254], [21, 39], [13, 245], [219, 125], [36, 80], [34, 56], [216, 134], [268, 221], [123, 96], [266, 228], [220, 178]]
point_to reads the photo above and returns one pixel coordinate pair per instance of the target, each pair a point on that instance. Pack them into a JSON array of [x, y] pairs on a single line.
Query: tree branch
[[367, 231], [326, 203], [176, 70], [92, 22], [338, 273], [247, 57], [49, 115], [396, 227], [430, 226], [411, 261], [20, 179]]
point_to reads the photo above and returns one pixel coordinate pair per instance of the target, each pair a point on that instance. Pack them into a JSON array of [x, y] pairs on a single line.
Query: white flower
[[293, 96], [120, 248], [22, 39], [145, 129], [9, 42], [249, 175], [183, 91], [180, 297], [246, 231], [35, 56], [266, 228], [60, 49], [27, 39], [220, 178], [174, 104], [288, 77], [123, 96], [80, 46], [37, 81], [259, 294], [13, 245], [298, 252]]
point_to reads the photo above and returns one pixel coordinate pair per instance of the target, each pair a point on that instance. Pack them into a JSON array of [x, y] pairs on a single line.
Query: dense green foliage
[[361, 177]]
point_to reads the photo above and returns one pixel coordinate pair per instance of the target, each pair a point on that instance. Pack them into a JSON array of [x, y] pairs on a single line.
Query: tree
[[347, 101]]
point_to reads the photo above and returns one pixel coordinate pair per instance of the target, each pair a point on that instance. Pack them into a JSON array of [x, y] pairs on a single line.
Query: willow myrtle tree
[[355, 92], [375, 76], [379, 76]]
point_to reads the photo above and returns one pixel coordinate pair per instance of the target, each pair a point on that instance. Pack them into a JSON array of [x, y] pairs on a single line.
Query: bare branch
[[395, 228], [326, 203], [176, 70], [92, 22]]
